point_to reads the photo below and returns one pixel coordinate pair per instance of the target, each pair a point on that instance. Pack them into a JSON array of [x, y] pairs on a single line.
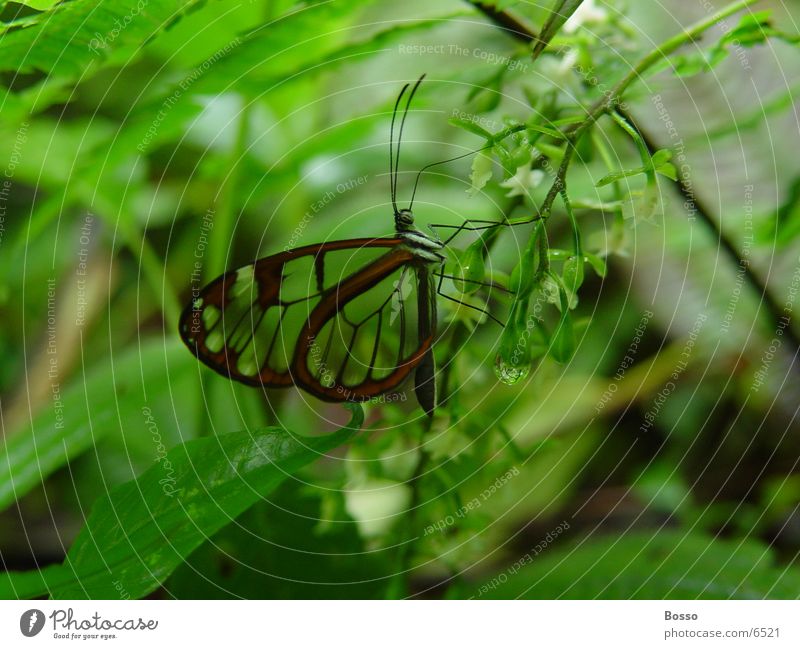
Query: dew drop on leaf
[[508, 373]]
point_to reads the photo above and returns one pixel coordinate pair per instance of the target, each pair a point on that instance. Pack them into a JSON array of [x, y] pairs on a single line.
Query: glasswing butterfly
[[307, 316]]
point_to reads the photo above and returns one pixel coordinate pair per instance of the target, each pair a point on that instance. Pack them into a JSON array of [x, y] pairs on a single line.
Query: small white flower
[[522, 181], [568, 61], [376, 504], [586, 13]]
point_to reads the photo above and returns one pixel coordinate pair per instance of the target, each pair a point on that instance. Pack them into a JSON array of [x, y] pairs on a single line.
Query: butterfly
[[347, 320]]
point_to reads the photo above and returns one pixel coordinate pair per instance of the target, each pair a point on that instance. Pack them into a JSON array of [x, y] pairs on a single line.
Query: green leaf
[[470, 270], [753, 29], [290, 46], [298, 544], [573, 273], [33, 583], [90, 408], [597, 263], [77, 35], [41, 5], [615, 176], [529, 269], [258, 62], [521, 342], [555, 153], [662, 165], [661, 157], [471, 126], [659, 163], [668, 169], [562, 347], [664, 564], [544, 130], [688, 65], [142, 530], [481, 173]]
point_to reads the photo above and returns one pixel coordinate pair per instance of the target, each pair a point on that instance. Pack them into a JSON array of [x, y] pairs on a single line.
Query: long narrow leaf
[[140, 532], [559, 14], [89, 408]]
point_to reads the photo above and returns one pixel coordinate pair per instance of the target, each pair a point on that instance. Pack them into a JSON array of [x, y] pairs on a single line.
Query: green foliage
[[559, 14], [663, 565], [283, 550], [658, 163], [753, 29], [137, 535], [89, 409], [193, 136], [69, 39], [41, 4], [471, 267]]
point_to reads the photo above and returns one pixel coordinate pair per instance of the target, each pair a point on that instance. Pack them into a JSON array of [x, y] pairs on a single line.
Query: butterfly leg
[[475, 281], [464, 227], [457, 301], [484, 225]]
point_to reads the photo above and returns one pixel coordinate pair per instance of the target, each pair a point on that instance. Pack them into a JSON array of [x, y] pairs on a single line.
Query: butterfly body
[[425, 248]]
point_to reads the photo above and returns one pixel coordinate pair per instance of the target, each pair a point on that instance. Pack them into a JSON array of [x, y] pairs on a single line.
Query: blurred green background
[[661, 460]]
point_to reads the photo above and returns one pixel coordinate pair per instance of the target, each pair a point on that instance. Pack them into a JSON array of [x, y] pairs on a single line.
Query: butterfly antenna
[[392, 183], [400, 134], [441, 162]]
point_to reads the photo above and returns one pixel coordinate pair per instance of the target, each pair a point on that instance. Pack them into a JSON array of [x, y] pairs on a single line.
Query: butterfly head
[[404, 220]]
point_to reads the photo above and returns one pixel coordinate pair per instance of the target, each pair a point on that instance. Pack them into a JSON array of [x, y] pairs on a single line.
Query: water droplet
[[508, 373]]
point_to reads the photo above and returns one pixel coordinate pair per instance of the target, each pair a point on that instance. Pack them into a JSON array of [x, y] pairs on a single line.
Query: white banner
[[385, 625]]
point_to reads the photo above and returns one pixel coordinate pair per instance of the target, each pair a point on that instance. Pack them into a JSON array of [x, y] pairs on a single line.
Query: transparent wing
[[307, 316], [369, 335]]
